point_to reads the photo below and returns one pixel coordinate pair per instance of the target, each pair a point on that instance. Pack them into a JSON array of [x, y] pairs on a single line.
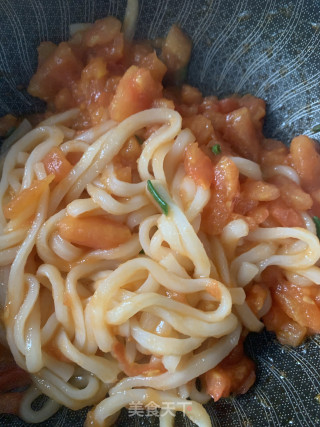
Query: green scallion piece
[[316, 220], [163, 205], [216, 149], [315, 129], [139, 139]]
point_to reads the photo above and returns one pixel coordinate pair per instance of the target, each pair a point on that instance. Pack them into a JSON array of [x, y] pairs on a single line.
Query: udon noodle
[[83, 304], [141, 319]]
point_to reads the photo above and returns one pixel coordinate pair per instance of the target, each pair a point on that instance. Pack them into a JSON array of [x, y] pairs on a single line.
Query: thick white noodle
[[141, 325]]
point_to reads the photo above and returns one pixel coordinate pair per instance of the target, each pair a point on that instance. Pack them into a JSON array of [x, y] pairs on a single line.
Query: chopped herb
[[139, 139], [316, 220], [10, 131], [315, 129], [216, 149], [141, 252], [163, 205]]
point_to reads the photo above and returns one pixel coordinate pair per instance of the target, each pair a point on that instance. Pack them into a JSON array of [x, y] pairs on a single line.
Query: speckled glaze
[[270, 48]]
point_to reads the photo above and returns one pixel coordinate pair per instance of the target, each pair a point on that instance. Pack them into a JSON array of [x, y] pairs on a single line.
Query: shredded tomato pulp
[[107, 77]]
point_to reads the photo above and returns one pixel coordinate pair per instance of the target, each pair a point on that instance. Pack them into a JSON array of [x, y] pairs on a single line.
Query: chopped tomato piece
[[292, 194], [256, 107], [102, 31], [200, 126], [198, 166], [227, 105], [259, 190], [285, 216], [26, 197], [135, 92], [243, 204], [136, 52], [176, 53], [218, 383], [242, 134], [55, 163], [224, 190], [112, 52], [190, 95], [287, 330], [90, 91], [156, 67], [299, 304], [93, 232], [235, 374], [95, 70], [177, 296], [59, 70], [273, 152], [130, 153], [256, 297], [258, 215], [64, 100], [124, 173], [306, 161], [45, 49]]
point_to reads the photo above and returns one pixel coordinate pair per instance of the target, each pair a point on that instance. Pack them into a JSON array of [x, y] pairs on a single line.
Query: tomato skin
[[93, 232], [55, 163], [26, 197], [135, 92], [198, 166]]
